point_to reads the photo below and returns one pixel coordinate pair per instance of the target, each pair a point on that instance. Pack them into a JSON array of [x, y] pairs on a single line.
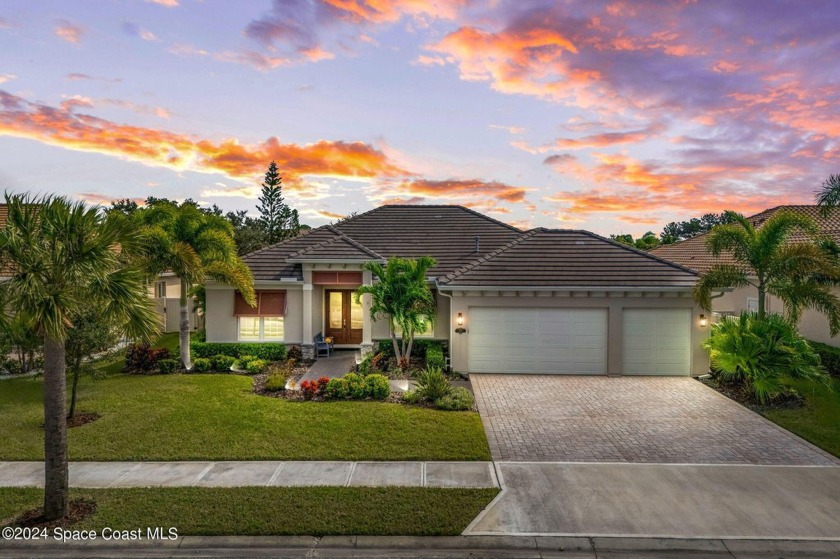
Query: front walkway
[[666, 420], [243, 474], [336, 365]]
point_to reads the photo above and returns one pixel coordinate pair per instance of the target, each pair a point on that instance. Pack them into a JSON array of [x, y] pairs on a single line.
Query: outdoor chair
[[322, 347]]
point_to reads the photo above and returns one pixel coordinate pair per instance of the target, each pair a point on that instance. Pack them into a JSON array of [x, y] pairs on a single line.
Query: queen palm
[[799, 273], [195, 246], [64, 257], [402, 296]]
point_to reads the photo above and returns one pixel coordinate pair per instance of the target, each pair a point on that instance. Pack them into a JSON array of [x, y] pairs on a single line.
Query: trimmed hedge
[[434, 356], [222, 363], [267, 351], [418, 348], [829, 356], [168, 366], [201, 365]]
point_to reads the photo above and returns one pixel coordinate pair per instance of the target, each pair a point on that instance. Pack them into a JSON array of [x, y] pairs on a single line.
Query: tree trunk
[[76, 374], [55, 431], [184, 337], [397, 352], [761, 311]]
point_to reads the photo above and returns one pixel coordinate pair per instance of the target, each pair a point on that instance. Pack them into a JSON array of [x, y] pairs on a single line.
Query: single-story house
[[508, 301], [692, 253]]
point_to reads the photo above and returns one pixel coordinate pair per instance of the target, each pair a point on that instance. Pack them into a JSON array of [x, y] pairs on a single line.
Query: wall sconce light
[[460, 322], [703, 321]]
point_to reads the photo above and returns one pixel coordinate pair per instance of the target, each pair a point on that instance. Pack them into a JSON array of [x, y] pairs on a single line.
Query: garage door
[[657, 341], [537, 340]]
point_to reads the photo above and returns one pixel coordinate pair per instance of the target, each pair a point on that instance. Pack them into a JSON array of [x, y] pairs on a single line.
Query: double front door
[[344, 317]]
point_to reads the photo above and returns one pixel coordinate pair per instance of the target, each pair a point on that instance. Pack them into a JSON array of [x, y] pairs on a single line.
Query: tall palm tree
[[799, 273], [63, 257], [195, 246], [402, 295]]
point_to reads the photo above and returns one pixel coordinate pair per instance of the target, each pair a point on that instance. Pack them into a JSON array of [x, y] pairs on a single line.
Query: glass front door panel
[[355, 314], [336, 310]]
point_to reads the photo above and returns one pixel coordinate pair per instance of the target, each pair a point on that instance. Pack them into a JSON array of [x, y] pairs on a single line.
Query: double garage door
[[576, 341]]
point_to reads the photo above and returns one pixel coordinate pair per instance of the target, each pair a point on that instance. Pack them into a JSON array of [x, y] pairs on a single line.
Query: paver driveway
[[668, 420]]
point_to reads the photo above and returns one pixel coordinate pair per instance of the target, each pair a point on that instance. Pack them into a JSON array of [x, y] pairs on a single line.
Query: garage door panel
[[657, 341], [538, 340]]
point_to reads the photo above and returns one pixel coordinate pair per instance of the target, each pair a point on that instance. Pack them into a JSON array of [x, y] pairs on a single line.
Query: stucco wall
[[459, 343], [813, 325], [441, 330], [221, 323]]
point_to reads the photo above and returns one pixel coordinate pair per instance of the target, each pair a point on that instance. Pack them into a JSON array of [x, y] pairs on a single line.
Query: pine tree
[[277, 219], [271, 205]]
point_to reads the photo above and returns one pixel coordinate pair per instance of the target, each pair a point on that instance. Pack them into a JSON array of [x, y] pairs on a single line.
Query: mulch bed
[[79, 510], [82, 418], [737, 392]]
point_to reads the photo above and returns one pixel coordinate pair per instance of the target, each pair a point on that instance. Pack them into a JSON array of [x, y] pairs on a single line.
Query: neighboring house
[[508, 301], [692, 253], [166, 292]]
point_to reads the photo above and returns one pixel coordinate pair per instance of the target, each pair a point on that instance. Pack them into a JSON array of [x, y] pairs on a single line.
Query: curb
[[409, 546]]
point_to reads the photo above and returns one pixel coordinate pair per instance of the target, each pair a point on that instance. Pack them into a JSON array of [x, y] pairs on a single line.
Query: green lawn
[[218, 417], [256, 511], [819, 421]]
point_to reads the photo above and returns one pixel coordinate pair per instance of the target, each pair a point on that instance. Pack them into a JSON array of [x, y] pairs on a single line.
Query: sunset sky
[[604, 115]]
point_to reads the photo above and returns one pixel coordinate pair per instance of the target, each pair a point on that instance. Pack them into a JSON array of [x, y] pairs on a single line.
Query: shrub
[[241, 363], [275, 382], [267, 351], [418, 348], [201, 365], [199, 336], [355, 386], [459, 399], [433, 384], [412, 396], [256, 366], [144, 358], [294, 354], [377, 387], [13, 366], [434, 356], [221, 362], [762, 354], [336, 389], [366, 366], [322, 385], [829, 357], [168, 366], [309, 389]]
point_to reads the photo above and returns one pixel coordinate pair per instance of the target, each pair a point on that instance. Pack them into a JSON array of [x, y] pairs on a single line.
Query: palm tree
[[828, 196], [195, 246], [64, 257], [800, 274], [402, 294]]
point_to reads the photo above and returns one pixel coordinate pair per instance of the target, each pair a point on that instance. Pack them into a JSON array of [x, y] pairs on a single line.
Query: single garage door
[[537, 340], [657, 341]]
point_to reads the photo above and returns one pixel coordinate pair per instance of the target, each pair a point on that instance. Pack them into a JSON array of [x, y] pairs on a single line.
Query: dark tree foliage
[[278, 220], [682, 230], [248, 232], [645, 242]]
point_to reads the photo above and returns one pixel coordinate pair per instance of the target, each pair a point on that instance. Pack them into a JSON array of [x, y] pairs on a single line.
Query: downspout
[[451, 341]]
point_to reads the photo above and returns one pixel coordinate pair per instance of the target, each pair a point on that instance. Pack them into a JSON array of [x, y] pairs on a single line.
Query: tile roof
[[569, 258], [446, 233], [692, 253], [339, 247]]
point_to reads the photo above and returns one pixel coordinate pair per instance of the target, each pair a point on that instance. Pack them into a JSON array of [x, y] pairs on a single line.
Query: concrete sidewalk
[[242, 474], [407, 546]]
